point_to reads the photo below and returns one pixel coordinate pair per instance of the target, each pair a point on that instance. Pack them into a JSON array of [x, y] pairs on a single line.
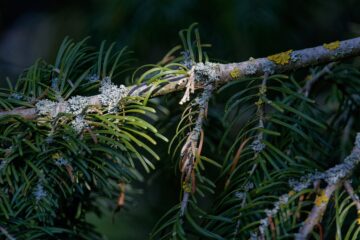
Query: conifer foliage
[[260, 155]]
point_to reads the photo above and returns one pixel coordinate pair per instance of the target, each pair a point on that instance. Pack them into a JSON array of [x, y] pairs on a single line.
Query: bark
[[278, 63]]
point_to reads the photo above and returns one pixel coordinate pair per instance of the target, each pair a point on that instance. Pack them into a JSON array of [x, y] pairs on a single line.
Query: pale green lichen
[[39, 191], [77, 105], [79, 124], [46, 107], [281, 58], [206, 72], [111, 94]]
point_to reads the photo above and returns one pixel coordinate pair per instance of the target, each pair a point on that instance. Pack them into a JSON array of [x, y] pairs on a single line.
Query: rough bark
[[278, 63]]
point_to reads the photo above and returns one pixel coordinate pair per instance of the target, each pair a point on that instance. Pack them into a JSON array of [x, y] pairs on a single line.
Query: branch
[[353, 195], [278, 63], [192, 148], [337, 176], [307, 88]]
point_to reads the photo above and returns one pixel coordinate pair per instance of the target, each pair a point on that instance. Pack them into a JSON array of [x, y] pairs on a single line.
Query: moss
[[281, 58], [332, 45]]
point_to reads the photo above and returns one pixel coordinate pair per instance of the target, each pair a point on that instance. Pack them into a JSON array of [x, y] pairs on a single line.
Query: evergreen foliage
[[252, 155]]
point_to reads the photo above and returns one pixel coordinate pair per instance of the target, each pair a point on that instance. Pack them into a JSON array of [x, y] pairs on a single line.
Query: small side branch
[[322, 200], [353, 195], [309, 84], [191, 149]]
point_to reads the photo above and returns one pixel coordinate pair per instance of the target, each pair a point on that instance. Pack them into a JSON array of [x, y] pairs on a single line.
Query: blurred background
[[237, 30]]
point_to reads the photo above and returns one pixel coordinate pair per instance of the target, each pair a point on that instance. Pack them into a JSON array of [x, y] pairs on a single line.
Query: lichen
[[321, 198], [186, 186], [59, 159], [257, 145], [240, 195], [281, 58], [206, 73], [187, 62], [77, 105], [79, 123], [46, 107], [295, 57], [269, 68], [111, 94], [92, 78], [250, 69], [248, 186], [16, 96], [235, 73], [332, 45], [39, 191]]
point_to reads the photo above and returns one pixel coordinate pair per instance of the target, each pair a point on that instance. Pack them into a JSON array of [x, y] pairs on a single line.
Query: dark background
[[237, 29]]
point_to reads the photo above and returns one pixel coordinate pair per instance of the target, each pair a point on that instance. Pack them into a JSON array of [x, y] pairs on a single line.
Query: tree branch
[[192, 148], [278, 63], [341, 172]]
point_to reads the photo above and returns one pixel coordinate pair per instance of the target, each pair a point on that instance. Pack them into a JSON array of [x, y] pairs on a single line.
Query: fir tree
[[264, 149]]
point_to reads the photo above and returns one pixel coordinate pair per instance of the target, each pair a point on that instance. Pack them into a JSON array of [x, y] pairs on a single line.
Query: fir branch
[[281, 62], [343, 171], [191, 149]]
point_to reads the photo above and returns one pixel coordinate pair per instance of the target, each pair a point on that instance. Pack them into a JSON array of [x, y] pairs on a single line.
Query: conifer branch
[[341, 173], [278, 63], [192, 148]]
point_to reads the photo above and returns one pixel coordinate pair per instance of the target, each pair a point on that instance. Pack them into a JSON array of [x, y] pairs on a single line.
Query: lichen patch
[[332, 45], [281, 58], [322, 198], [235, 73]]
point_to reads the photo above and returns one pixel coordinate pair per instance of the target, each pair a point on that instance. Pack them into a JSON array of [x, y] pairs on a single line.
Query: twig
[[6, 233], [352, 194], [257, 145], [322, 201], [278, 63], [308, 86], [190, 148]]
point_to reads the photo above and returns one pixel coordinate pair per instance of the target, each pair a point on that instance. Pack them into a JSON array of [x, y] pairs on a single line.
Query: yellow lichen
[[291, 193], [262, 90], [259, 102], [332, 45], [322, 198], [235, 73], [281, 58], [186, 186], [55, 156]]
